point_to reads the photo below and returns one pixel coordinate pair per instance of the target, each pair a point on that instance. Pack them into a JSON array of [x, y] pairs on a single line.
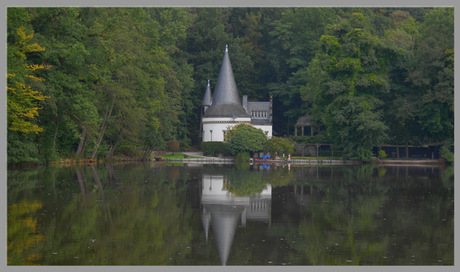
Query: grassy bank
[[177, 156]]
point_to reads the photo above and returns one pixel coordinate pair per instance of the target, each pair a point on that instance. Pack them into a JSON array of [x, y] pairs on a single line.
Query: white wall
[[269, 129], [224, 124]]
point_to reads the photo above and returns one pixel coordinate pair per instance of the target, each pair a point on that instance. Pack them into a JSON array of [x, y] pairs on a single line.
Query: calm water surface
[[230, 215]]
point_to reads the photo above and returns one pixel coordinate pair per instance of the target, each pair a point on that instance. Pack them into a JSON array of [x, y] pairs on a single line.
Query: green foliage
[[382, 154], [294, 39], [280, 145], [315, 139], [22, 149], [22, 99], [242, 157], [215, 148], [173, 146], [447, 154], [329, 153], [346, 79], [116, 80], [245, 182], [245, 138], [129, 80]]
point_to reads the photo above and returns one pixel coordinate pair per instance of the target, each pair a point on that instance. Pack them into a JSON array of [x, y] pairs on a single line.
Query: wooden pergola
[[302, 123]]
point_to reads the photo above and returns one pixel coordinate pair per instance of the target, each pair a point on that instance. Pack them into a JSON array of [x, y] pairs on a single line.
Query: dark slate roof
[[226, 91], [259, 106], [207, 98], [226, 101], [305, 121], [226, 110]]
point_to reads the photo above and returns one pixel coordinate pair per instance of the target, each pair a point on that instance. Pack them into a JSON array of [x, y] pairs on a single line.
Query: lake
[[160, 214]]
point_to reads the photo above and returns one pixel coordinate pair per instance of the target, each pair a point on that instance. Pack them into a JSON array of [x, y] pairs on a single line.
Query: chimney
[[245, 102], [271, 109]]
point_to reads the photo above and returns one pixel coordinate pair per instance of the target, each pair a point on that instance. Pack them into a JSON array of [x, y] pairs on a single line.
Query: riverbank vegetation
[[95, 83]]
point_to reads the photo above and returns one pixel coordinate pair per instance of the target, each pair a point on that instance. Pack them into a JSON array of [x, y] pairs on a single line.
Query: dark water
[[212, 215]]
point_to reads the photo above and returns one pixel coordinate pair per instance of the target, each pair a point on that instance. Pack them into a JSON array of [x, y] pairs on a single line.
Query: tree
[[174, 146], [295, 37], [22, 100], [279, 145], [402, 103], [345, 80], [24, 93], [432, 75], [245, 139]]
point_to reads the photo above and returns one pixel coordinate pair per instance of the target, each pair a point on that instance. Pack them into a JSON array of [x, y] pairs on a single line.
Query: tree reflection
[[113, 225], [181, 215], [358, 221]]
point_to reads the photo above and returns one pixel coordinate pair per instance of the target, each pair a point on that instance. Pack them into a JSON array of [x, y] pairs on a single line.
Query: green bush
[[22, 149], [382, 154], [328, 153], [215, 148], [127, 149], [173, 146], [320, 138], [246, 138], [280, 145], [446, 153], [242, 157]]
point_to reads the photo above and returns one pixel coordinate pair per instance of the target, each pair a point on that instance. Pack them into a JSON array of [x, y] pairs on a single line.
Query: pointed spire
[[206, 220], [207, 98], [226, 91], [226, 101], [224, 223]]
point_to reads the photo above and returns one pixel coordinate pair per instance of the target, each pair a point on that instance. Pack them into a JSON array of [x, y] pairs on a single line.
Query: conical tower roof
[[226, 101], [206, 220], [207, 98], [224, 220]]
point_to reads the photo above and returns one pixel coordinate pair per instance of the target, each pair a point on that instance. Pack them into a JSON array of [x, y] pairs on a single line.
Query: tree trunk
[[397, 151], [111, 150], [103, 127], [54, 137], [81, 145], [146, 154], [101, 193], [81, 181]]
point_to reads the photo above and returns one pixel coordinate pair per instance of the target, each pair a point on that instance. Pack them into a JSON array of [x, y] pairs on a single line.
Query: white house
[[223, 110], [223, 211]]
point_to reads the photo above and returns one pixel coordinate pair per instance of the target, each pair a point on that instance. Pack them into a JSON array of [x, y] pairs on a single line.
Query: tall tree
[[24, 96], [402, 102], [295, 40], [432, 75], [345, 80]]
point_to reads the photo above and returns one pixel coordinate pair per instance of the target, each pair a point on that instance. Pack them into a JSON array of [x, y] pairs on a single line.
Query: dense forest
[[102, 82]]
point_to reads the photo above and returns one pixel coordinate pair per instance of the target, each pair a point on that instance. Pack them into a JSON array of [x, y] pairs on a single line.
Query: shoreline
[[230, 160]]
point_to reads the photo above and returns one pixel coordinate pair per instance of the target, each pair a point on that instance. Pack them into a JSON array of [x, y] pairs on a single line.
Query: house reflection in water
[[222, 211]]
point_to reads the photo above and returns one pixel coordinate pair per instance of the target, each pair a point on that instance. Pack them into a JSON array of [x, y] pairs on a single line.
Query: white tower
[[226, 110]]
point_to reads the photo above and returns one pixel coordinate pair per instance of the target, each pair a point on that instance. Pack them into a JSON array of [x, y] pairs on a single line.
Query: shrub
[[446, 153], [214, 148], [328, 153], [382, 154], [242, 157], [320, 138], [280, 145], [246, 138], [173, 146]]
